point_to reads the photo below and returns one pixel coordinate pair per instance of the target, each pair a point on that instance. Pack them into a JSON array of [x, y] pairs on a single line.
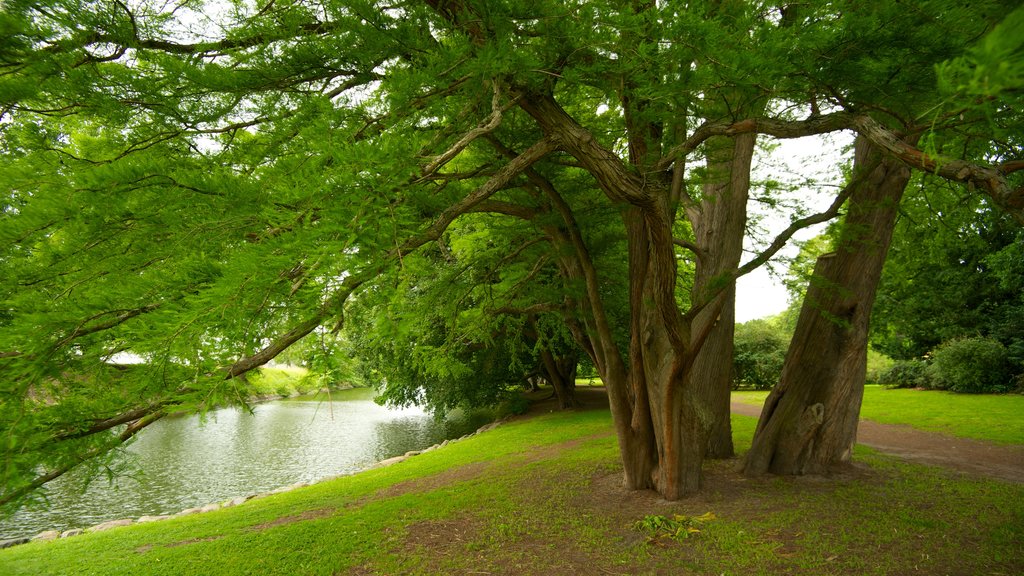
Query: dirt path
[[970, 456], [973, 457]]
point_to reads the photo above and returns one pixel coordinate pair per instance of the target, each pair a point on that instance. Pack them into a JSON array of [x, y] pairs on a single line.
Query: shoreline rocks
[[50, 535]]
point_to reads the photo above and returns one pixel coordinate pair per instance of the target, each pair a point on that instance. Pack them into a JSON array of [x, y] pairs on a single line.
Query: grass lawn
[[994, 417], [542, 496]]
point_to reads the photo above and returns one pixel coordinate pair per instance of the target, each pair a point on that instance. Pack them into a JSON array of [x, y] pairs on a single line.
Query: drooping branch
[[778, 128], [497, 182], [334, 304], [506, 208], [991, 179], [104, 425], [129, 432], [121, 317], [529, 310]]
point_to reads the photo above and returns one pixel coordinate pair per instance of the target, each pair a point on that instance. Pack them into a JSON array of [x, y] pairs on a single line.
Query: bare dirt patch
[[436, 481], [307, 515], [443, 535], [465, 543], [148, 547]]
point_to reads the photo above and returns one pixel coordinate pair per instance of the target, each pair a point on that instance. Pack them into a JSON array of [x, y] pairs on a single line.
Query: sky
[[813, 163]]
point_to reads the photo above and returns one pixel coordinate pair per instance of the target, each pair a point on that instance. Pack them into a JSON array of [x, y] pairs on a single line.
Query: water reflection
[[186, 462]]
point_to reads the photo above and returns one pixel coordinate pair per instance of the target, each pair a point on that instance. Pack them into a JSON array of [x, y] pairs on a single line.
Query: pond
[[184, 461]]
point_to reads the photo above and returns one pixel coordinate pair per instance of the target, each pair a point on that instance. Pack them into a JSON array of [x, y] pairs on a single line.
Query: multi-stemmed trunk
[[809, 421]]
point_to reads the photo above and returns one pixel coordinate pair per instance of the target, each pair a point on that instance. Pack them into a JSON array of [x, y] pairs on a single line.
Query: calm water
[[182, 462]]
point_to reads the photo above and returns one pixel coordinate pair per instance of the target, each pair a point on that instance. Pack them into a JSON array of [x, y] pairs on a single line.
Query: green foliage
[[954, 270], [989, 78], [878, 364], [971, 365], [759, 352], [911, 373], [284, 381]]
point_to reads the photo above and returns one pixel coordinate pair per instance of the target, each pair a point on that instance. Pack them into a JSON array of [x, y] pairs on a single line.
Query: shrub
[[760, 350], [973, 365], [906, 374]]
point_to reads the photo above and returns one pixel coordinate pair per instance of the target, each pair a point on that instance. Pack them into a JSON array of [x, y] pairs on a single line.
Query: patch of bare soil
[[148, 547], [430, 483], [464, 542], [973, 457], [307, 515], [587, 398], [443, 537]]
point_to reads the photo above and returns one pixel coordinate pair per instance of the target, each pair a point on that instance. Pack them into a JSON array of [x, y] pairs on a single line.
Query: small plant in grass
[[678, 527]]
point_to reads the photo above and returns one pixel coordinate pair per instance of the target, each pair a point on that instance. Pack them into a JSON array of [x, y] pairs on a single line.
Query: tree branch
[[128, 433], [492, 123], [351, 283]]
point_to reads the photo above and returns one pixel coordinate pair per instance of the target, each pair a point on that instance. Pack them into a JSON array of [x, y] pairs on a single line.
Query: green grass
[[992, 417], [543, 496]]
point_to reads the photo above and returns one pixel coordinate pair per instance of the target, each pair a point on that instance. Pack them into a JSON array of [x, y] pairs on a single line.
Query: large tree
[[202, 188]]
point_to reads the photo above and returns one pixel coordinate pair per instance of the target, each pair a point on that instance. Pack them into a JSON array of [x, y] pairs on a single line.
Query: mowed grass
[[993, 417], [543, 496]]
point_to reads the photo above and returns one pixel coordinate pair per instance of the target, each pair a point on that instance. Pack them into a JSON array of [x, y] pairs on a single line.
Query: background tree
[[760, 349], [963, 278]]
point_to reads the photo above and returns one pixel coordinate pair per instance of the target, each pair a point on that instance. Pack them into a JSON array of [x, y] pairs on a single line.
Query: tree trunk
[[719, 230], [662, 356], [561, 373], [809, 421]]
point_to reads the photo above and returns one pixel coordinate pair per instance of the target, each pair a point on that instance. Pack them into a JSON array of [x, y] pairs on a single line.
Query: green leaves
[[678, 527], [993, 67]]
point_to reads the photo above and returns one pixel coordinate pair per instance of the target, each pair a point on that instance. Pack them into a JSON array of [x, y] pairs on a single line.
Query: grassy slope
[[992, 417], [282, 381], [541, 496]]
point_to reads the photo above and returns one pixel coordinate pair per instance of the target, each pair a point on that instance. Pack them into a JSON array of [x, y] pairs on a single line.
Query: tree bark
[[809, 421], [718, 231]]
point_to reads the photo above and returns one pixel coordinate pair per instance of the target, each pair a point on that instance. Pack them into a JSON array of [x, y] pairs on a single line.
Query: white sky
[[818, 158]]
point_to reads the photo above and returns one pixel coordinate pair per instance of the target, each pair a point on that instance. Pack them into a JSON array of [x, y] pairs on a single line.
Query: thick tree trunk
[[661, 357], [662, 419], [719, 231], [809, 421]]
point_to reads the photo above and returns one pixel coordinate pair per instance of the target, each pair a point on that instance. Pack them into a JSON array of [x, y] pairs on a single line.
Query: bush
[[973, 365], [878, 365], [760, 350], [906, 374]]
